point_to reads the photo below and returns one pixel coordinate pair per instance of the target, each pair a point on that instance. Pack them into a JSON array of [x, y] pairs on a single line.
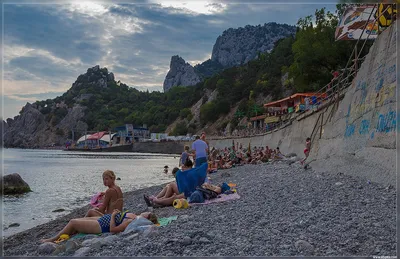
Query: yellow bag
[[180, 204]]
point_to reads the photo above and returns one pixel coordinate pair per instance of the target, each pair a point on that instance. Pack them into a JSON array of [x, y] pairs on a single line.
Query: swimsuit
[[105, 221]]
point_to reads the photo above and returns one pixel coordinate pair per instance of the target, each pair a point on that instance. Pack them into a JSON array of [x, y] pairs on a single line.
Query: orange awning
[[292, 97]]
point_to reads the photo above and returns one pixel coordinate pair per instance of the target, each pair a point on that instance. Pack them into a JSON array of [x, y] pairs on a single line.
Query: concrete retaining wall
[[360, 138], [159, 147]]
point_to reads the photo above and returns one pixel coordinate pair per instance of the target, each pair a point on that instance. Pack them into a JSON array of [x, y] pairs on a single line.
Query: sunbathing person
[[113, 197], [114, 223]]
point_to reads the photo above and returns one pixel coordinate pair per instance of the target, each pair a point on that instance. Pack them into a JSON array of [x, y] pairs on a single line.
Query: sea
[[67, 179]]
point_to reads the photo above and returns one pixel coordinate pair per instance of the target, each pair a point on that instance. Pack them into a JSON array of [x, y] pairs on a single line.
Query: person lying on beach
[[114, 223], [113, 198]]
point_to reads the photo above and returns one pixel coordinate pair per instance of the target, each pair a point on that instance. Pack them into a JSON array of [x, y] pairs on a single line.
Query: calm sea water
[[67, 180]]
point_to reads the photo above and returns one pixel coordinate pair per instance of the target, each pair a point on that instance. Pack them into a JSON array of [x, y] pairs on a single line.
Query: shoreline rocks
[[13, 184]]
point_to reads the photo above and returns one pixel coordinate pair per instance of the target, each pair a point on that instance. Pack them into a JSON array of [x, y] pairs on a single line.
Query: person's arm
[[121, 227], [106, 201]]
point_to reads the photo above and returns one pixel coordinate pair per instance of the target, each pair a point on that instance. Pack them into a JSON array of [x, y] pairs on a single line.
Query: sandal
[[147, 200]]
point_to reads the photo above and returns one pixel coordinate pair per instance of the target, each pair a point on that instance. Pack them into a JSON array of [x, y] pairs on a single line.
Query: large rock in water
[[180, 73], [14, 184]]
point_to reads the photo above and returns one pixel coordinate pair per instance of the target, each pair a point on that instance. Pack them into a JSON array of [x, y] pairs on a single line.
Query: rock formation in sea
[[13, 184]]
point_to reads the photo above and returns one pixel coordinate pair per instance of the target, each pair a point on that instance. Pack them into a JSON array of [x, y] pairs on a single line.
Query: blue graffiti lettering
[[386, 122], [349, 130], [364, 127], [379, 85]]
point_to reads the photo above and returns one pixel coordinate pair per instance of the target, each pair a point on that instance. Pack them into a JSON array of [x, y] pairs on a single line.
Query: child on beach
[[306, 150], [113, 197], [166, 169]]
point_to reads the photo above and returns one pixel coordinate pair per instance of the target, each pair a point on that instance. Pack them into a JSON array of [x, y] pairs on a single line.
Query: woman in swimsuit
[[114, 223], [113, 197]]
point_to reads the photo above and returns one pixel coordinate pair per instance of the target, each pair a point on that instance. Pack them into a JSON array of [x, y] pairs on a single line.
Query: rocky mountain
[[238, 46], [180, 73], [50, 122], [234, 47]]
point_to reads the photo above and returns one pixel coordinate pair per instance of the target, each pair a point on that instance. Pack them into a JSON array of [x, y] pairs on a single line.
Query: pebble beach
[[283, 210]]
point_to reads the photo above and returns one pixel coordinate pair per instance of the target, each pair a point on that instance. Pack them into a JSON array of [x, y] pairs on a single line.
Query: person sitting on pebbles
[[113, 197], [114, 223], [167, 196]]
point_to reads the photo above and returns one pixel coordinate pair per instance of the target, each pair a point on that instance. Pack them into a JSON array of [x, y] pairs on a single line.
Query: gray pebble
[[71, 246], [186, 240], [84, 251], [46, 248], [304, 247]]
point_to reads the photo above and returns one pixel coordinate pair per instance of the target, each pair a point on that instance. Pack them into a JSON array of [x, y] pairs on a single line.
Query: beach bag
[[196, 197], [207, 194]]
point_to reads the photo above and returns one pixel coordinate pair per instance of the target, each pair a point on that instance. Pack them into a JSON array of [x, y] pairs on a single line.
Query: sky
[[46, 46]]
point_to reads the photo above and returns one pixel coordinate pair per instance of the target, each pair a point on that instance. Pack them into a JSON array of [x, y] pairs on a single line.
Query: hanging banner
[[353, 21], [386, 13]]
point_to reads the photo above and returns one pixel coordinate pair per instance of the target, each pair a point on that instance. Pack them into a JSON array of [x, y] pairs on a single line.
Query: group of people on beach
[[108, 216]]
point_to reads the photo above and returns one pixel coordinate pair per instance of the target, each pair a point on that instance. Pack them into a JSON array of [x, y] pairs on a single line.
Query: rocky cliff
[[48, 123], [180, 73], [238, 46], [233, 48]]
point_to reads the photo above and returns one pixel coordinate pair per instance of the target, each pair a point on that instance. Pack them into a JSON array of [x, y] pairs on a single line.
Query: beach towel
[[165, 221], [187, 181], [221, 198]]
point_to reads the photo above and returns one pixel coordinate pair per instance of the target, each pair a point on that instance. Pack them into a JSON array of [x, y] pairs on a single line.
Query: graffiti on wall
[[373, 93]]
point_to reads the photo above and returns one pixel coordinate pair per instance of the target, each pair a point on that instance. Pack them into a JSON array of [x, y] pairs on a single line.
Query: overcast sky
[[47, 46]]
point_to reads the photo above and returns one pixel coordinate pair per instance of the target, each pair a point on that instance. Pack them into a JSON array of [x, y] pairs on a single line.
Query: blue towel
[[187, 181]]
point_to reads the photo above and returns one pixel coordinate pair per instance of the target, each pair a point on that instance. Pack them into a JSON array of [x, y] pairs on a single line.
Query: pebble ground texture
[[284, 210]]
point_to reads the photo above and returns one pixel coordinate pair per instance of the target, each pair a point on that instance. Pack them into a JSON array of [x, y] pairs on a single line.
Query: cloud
[[47, 46]]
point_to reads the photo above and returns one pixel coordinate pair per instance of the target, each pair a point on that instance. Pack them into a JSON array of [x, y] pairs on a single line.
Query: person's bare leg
[[166, 201], [94, 213], [162, 193], [77, 225], [168, 193], [174, 187]]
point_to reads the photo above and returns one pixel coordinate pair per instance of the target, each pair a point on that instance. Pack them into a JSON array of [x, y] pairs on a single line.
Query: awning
[[275, 103], [97, 135]]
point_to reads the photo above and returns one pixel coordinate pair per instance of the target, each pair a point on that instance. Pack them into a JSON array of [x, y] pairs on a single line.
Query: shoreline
[[283, 210]]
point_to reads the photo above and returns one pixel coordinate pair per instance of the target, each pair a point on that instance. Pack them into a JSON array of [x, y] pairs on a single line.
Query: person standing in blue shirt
[[200, 149]]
